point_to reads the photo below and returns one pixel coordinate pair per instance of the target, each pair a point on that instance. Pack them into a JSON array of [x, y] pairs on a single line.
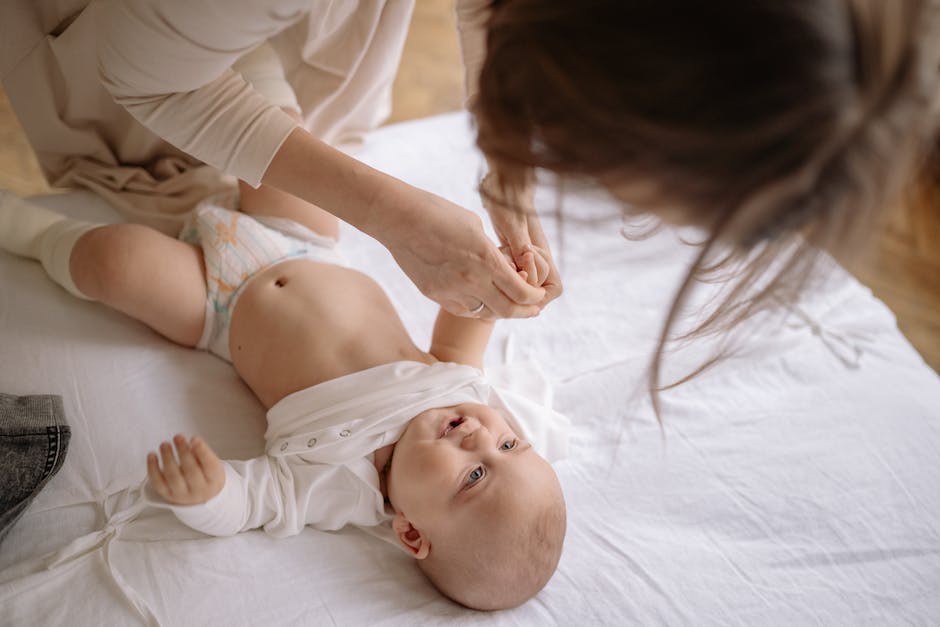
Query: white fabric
[[794, 483], [22, 225], [318, 467], [56, 252], [33, 232]]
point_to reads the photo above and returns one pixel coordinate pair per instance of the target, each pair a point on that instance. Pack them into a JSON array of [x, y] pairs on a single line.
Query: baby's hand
[[533, 266], [194, 479]]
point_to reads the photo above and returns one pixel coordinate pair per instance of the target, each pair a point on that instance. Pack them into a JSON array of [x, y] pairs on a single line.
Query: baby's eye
[[508, 445], [475, 475]]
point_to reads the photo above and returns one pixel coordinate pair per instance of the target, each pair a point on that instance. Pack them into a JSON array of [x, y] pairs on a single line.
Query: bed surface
[[796, 482]]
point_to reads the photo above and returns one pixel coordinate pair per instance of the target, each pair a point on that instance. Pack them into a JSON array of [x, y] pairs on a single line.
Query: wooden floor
[[903, 269]]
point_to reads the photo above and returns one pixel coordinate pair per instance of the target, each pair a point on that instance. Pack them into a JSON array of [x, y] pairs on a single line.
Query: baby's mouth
[[451, 425]]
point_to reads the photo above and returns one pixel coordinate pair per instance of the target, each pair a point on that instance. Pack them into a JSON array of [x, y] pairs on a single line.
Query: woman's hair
[[779, 127]]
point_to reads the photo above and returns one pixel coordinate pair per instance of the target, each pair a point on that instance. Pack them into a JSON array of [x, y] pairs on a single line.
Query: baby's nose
[[475, 437]]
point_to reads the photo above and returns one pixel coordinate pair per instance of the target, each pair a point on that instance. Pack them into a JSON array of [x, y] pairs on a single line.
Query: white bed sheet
[[790, 488]]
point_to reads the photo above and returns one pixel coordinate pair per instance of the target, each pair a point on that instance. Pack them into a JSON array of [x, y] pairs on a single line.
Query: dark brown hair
[[780, 127]]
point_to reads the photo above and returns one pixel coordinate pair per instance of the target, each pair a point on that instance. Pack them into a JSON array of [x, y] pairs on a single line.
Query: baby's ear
[[410, 537]]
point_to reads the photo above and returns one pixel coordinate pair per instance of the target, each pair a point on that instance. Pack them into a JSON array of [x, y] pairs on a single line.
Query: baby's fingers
[[157, 480], [527, 264], [171, 471], [210, 463], [205, 455], [191, 471]]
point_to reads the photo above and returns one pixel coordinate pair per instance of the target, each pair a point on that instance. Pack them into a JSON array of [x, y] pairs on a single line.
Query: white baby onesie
[[318, 467]]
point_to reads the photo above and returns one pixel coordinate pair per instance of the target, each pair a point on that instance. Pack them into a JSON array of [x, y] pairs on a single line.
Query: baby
[[363, 427]]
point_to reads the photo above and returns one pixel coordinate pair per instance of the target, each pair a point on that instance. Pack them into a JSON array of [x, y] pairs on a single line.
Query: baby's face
[[457, 463]]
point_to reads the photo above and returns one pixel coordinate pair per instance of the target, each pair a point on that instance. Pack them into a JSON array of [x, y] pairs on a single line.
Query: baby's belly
[[301, 323]]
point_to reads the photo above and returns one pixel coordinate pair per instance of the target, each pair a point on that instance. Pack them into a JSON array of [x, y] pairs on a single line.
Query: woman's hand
[[195, 478], [519, 230], [445, 252]]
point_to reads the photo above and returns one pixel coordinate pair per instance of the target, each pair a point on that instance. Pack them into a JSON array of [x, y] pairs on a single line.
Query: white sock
[[28, 230], [22, 223], [55, 252]]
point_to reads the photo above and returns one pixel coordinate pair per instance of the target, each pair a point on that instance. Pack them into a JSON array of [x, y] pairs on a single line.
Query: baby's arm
[[460, 340], [195, 478], [212, 496], [463, 340], [280, 496]]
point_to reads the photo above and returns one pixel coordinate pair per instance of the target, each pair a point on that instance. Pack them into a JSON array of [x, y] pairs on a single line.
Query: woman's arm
[[440, 246], [168, 62]]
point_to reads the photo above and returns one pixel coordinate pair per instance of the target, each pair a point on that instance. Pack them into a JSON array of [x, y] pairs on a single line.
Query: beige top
[[134, 98]]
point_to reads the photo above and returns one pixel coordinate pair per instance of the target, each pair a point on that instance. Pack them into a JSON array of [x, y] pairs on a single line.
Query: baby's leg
[[146, 275], [134, 269], [270, 201]]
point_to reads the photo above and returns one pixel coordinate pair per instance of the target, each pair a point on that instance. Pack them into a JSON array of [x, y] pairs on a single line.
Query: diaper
[[236, 248]]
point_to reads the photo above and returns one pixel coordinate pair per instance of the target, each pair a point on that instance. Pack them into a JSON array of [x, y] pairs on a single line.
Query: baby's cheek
[[431, 465], [417, 465]]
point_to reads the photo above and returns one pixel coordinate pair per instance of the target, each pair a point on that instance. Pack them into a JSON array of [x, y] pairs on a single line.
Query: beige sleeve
[[169, 63], [472, 16], [263, 70]]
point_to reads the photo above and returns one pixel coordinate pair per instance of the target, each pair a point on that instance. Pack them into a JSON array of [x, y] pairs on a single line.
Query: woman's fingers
[[551, 279], [510, 217], [499, 305], [501, 300], [551, 282], [511, 296], [518, 227], [553, 288]]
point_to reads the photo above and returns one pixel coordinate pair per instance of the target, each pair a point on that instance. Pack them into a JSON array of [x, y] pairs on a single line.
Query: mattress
[[794, 482]]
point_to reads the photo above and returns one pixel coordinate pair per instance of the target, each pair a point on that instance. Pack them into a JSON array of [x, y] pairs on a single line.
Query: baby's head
[[477, 506]]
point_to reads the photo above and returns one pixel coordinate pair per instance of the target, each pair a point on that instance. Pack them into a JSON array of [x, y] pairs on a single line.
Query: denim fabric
[[33, 440]]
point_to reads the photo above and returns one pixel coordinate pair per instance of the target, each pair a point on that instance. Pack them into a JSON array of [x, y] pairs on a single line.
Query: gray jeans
[[33, 440]]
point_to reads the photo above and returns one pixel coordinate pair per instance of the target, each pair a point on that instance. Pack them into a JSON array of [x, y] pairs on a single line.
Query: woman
[[778, 128], [135, 99], [756, 120]]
